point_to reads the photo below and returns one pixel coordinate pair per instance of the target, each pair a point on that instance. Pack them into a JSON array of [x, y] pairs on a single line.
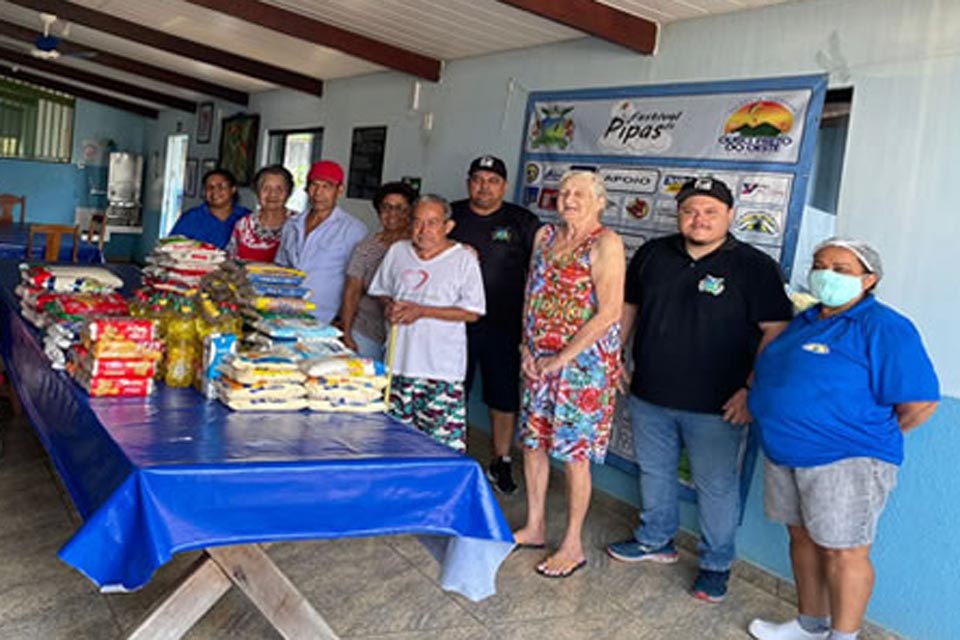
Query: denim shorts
[[838, 504]]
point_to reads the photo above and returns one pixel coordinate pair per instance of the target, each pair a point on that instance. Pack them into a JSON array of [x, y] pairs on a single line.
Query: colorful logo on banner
[[639, 130], [552, 127], [761, 126]]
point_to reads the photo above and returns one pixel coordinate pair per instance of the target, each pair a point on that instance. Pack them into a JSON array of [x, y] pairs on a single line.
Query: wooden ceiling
[[146, 55]]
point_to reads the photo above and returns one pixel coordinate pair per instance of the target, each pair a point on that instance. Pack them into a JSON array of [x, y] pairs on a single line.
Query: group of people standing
[[554, 320]]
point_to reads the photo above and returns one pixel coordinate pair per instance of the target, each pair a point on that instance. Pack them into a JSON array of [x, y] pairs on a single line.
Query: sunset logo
[[761, 126]]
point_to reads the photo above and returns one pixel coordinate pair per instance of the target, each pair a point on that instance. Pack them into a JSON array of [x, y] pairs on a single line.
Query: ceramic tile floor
[[365, 588]]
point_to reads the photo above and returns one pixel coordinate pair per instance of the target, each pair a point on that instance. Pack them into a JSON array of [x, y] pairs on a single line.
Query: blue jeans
[[714, 448]]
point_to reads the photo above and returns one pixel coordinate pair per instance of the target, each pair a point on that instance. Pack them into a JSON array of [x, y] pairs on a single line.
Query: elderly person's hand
[[549, 365], [402, 312], [528, 364], [735, 409]]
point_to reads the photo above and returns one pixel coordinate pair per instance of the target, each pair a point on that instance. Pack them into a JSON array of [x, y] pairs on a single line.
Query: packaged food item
[[346, 406], [69, 278], [124, 349], [266, 390], [254, 375], [112, 367], [116, 387], [291, 404], [297, 329], [341, 366], [281, 305], [120, 328], [216, 347]]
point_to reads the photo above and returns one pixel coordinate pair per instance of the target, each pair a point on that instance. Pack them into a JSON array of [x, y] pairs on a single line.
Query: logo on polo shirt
[[817, 347], [501, 234], [713, 285]]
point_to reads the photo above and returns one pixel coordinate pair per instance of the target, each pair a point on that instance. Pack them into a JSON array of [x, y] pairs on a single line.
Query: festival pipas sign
[[758, 136]]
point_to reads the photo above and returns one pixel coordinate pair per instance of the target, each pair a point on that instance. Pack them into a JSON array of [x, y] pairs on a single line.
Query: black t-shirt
[[696, 328], [503, 240]]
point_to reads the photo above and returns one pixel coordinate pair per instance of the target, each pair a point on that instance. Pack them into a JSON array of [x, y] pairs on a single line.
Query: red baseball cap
[[326, 170]]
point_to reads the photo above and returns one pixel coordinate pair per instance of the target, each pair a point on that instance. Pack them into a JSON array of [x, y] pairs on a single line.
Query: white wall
[[901, 56]]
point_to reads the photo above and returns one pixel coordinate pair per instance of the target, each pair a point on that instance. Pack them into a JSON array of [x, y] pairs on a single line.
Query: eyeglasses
[[393, 208]]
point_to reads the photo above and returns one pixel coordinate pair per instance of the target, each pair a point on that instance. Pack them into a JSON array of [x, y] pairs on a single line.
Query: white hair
[[599, 189]]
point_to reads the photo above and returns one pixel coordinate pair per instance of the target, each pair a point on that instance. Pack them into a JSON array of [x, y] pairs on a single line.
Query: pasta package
[[281, 305], [120, 328], [99, 386], [124, 349], [69, 278], [291, 404]]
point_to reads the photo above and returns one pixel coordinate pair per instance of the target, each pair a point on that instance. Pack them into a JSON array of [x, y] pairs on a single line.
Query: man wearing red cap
[[320, 241]]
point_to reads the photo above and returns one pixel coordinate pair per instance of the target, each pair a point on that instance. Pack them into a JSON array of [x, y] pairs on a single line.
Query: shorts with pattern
[[569, 413], [435, 407], [838, 503]]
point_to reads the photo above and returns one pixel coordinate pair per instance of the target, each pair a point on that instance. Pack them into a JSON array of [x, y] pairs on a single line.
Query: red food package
[[119, 328], [88, 304], [114, 387], [124, 349], [112, 367]]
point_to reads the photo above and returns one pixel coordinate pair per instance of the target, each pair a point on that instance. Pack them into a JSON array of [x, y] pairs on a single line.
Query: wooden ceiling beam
[[107, 59], [324, 34], [600, 20], [173, 44], [102, 82], [79, 92]]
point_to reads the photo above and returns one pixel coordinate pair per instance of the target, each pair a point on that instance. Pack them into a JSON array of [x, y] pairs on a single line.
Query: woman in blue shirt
[[832, 397], [213, 221]]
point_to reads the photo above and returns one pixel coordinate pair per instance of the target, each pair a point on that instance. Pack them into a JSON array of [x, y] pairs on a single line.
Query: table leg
[[172, 617], [251, 569]]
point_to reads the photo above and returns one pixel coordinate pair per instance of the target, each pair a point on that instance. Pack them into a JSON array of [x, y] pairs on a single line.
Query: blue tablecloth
[[170, 473], [13, 246]]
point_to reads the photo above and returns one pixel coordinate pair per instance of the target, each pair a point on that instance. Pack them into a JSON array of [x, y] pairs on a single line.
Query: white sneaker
[[766, 630]]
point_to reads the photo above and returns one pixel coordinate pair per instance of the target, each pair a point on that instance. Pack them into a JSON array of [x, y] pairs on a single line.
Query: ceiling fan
[[45, 46]]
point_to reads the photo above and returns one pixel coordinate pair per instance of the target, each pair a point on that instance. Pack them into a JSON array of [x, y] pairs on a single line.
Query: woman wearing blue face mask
[[832, 397]]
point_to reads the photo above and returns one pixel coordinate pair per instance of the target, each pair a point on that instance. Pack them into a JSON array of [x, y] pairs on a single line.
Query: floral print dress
[[569, 412]]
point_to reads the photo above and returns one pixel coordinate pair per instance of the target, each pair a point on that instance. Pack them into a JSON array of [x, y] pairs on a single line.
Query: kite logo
[[552, 127], [760, 126]]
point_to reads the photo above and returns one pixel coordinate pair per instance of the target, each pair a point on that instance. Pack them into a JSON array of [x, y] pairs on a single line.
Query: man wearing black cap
[[702, 305], [502, 234]]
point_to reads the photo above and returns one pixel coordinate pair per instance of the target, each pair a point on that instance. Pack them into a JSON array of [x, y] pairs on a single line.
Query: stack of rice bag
[[58, 298], [116, 356], [344, 383], [178, 264], [268, 380]]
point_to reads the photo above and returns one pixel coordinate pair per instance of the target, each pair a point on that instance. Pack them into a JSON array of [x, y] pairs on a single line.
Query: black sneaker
[[500, 474]]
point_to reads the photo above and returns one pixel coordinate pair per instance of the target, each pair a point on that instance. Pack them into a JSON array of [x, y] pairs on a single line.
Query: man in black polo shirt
[[502, 234], [702, 305]]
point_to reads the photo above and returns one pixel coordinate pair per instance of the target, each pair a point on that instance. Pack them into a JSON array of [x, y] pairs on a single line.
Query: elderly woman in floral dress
[[570, 359]]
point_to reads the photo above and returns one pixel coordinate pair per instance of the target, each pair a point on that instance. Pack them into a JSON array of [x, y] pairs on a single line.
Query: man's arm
[[735, 409], [402, 312], [911, 415]]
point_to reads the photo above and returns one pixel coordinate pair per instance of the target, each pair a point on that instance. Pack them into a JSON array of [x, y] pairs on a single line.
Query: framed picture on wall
[[208, 164], [204, 122], [190, 178], [238, 146]]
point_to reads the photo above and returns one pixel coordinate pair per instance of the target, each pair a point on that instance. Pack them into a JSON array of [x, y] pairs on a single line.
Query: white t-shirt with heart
[[430, 348]]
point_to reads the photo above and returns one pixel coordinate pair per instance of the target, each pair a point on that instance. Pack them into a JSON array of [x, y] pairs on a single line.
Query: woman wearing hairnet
[[832, 397]]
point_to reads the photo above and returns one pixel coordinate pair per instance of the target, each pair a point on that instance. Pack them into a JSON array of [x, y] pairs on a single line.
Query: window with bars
[[35, 123]]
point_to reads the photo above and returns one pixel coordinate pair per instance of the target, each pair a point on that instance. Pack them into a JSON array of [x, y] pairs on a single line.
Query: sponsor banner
[[765, 189], [630, 180], [755, 126]]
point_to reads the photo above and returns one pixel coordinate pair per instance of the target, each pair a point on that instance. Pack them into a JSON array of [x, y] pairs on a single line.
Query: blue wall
[[55, 189]]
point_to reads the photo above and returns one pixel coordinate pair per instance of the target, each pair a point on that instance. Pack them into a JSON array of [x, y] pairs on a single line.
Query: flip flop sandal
[[564, 574]]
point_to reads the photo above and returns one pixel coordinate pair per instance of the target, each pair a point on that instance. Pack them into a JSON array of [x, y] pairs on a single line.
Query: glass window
[[35, 123]]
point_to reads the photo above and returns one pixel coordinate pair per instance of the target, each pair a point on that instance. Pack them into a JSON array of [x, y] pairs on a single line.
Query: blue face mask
[[834, 289]]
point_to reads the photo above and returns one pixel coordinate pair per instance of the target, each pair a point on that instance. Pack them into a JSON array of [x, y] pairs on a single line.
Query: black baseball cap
[[489, 163], [706, 187]]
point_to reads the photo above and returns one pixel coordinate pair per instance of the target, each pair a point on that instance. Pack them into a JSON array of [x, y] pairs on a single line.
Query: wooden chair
[[54, 234], [96, 232], [7, 202]]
